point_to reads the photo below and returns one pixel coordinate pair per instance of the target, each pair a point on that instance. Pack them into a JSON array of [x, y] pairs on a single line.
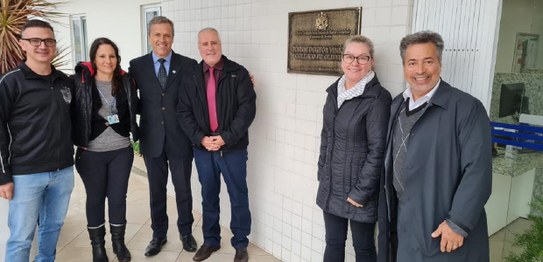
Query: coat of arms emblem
[[321, 23]]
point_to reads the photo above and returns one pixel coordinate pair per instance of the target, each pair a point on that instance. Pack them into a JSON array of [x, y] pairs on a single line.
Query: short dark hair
[[116, 82], [159, 20], [422, 37], [36, 23]]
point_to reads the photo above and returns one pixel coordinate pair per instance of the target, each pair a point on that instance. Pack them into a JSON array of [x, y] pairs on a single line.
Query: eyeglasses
[[362, 59], [37, 41]]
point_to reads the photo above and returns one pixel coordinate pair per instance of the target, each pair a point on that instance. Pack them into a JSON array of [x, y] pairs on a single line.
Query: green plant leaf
[[531, 241], [13, 15]]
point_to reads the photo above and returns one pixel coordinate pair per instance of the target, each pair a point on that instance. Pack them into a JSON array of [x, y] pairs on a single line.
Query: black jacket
[[235, 100], [86, 122], [159, 129], [352, 150], [35, 130]]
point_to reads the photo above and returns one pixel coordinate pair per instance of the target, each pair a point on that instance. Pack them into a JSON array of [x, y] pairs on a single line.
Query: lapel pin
[[174, 71]]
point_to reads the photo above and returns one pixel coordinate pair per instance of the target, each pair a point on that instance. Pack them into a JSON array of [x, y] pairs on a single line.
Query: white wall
[[469, 32], [117, 20], [285, 135]]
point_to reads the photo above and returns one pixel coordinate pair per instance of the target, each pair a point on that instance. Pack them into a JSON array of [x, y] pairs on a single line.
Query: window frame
[[81, 44], [145, 10]]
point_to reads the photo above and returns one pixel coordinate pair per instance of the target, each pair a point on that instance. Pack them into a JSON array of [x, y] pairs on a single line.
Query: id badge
[[112, 119]]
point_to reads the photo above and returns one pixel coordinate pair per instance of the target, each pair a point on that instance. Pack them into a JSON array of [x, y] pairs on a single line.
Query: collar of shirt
[[29, 74], [415, 104], [218, 67], [344, 94], [168, 59]]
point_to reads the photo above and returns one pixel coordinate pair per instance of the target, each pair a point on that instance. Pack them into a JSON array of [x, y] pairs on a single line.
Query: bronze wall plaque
[[316, 38]]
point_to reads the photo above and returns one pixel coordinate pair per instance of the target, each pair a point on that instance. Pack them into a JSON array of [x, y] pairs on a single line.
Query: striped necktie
[[162, 76]]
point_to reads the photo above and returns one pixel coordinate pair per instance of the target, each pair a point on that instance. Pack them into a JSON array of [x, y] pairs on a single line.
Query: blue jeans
[[39, 199], [233, 166]]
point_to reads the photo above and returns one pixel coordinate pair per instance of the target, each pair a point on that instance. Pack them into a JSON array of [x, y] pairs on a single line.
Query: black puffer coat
[[351, 156], [86, 124]]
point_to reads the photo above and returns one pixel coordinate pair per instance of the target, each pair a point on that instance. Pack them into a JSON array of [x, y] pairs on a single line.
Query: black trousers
[[105, 175], [157, 173], [336, 235]]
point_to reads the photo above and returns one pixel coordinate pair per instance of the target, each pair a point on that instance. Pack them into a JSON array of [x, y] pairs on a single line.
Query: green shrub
[[531, 241], [136, 146]]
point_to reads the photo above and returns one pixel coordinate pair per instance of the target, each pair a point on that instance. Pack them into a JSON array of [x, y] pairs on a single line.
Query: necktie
[[162, 76], [211, 101]]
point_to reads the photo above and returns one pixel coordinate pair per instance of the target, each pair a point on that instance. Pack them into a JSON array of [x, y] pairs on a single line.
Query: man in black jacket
[[162, 141], [216, 110], [36, 153]]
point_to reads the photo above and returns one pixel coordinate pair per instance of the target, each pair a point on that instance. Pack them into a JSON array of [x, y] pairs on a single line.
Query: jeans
[[336, 234], [233, 166], [105, 174], [39, 199]]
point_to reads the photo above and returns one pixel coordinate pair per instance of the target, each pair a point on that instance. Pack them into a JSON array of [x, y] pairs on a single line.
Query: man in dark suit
[[163, 143]]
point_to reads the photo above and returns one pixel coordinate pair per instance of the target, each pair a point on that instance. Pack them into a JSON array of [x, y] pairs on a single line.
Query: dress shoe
[[155, 246], [189, 243], [241, 255], [204, 252]]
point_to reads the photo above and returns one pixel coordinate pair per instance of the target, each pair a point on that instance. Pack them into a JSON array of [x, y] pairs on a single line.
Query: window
[[516, 109], [147, 13], [79, 38]]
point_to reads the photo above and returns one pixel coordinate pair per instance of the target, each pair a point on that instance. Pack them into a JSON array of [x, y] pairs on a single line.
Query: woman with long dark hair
[[104, 115]]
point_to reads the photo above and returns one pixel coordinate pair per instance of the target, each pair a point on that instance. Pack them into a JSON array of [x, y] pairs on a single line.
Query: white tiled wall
[[285, 135]]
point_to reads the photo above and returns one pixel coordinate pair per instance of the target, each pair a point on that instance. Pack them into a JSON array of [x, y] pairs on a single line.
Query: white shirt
[[415, 104]]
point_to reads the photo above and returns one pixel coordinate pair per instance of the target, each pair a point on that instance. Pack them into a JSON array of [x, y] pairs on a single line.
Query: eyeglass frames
[[37, 41], [361, 59]]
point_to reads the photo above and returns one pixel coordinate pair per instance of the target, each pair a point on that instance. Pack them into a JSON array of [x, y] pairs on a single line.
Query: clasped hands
[[212, 143]]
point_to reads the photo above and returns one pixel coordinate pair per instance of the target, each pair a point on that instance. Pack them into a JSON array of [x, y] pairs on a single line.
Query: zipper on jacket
[[128, 89], [59, 127], [336, 110]]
